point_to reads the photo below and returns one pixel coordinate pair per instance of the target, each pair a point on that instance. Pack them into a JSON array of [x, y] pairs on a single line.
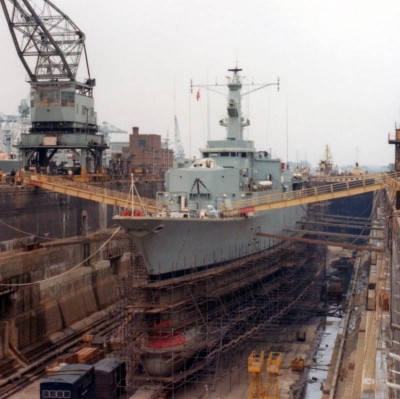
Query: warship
[[190, 232]]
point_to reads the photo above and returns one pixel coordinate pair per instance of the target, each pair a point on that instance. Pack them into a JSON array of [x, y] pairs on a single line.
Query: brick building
[[147, 154]]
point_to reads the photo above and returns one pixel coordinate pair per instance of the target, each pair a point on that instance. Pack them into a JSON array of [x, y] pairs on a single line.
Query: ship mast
[[235, 122]]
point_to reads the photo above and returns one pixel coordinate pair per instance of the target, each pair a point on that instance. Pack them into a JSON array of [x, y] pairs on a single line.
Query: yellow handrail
[[340, 189]]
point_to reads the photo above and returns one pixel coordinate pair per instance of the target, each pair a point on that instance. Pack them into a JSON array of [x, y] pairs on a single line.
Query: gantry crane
[[255, 365], [50, 46], [108, 128]]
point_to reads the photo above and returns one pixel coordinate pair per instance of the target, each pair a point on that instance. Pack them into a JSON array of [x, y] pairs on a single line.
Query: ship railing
[[337, 179], [243, 207]]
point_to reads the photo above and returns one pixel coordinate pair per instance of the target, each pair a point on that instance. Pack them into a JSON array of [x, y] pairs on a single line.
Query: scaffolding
[[176, 330], [179, 331]]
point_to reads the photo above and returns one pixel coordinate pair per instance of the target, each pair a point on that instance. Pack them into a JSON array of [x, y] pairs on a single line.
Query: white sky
[[338, 61]]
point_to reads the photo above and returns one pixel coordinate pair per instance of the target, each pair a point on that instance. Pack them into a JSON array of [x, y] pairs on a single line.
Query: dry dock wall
[[32, 313], [30, 213], [392, 233]]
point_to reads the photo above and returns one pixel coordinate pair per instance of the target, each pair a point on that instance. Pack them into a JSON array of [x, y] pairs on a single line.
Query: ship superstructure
[[190, 231]]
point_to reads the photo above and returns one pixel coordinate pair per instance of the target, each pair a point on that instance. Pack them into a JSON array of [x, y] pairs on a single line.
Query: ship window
[[205, 154], [224, 154], [233, 154], [201, 196], [214, 154], [243, 154], [142, 143]]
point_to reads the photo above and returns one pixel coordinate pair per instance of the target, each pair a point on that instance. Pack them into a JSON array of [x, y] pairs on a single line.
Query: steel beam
[[343, 245], [342, 225], [328, 234]]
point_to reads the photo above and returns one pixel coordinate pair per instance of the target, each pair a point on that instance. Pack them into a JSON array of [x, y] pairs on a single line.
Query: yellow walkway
[[340, 189], [91, 192], [346, 188]]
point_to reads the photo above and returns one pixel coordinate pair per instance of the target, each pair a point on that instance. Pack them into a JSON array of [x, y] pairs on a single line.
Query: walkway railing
[[348, 187], [342, 188], [91, 192]]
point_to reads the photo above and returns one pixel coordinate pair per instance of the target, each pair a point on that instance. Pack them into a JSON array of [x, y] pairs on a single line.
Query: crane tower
[[179, 151], [50, 46]]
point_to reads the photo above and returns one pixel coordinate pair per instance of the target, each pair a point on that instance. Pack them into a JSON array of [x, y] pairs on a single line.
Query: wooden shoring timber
[[343, 217], [345, 222], [194, 278], [328, 234], [342, 225], [343, 245], [84, 239], [246, 280]]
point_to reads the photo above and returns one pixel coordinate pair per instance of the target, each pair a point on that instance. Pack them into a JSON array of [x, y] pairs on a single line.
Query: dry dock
[[331, 313]]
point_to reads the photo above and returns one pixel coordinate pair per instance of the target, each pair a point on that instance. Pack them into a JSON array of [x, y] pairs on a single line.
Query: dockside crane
[[108, 128], [179, 151], [50, 45]]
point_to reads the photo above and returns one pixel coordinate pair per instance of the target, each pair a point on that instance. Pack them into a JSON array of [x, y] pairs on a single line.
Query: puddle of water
[[323, 356]]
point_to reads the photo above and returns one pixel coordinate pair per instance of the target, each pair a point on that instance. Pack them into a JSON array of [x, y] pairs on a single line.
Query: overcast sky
[[338, 62]]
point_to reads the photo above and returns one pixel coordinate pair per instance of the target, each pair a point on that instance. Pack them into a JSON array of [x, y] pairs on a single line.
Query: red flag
[[198, 95]]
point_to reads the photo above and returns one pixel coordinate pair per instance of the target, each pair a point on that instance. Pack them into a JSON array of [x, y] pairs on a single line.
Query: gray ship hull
[[171, 245]]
